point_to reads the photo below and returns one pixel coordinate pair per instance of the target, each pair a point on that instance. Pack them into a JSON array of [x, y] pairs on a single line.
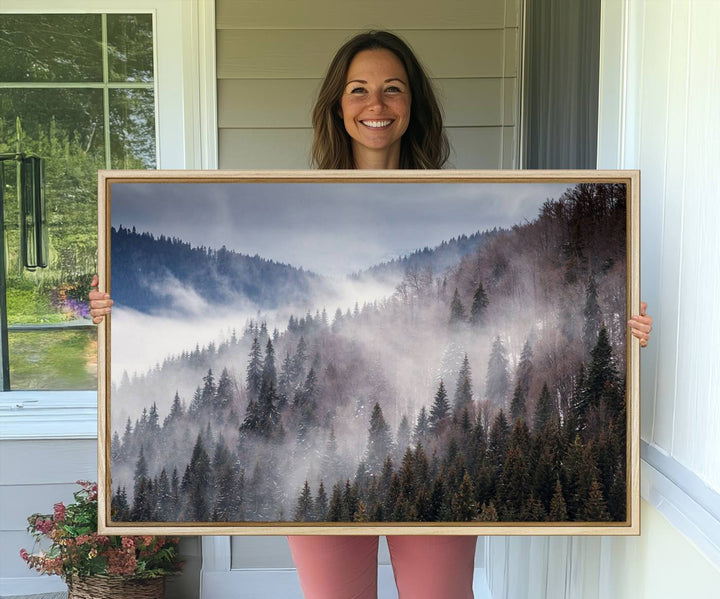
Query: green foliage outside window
[[76, 90]]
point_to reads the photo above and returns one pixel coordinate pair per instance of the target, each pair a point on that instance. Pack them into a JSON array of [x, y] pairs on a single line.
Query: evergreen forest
[[487, 388]]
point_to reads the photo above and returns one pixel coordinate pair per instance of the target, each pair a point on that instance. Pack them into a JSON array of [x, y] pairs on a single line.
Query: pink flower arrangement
[[76, 549]]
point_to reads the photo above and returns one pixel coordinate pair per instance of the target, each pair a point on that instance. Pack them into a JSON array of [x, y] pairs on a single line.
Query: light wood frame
[[630, 526]]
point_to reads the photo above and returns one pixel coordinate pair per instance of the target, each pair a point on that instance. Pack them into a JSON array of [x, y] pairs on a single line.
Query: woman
[[377, 110]]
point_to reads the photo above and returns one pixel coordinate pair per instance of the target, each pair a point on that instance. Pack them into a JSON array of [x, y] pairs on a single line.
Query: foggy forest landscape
[[461, 369]]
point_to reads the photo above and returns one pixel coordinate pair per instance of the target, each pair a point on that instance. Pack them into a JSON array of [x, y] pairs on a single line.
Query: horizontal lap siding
[[271, 59], [331, 14], [34, 475]]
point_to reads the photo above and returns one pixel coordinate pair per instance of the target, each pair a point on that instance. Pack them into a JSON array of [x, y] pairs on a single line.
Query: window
[[78, 91]]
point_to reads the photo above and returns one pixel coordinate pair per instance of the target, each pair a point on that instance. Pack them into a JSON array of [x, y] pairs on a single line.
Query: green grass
[[27, 305], [53, 360]]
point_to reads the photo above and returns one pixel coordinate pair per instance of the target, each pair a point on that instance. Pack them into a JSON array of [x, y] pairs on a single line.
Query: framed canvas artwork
[[369, 352]]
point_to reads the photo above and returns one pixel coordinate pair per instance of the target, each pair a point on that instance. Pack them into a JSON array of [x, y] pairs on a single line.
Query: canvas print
[[357, 353]]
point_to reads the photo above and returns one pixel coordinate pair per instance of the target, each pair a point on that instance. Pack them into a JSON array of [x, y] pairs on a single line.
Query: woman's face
[[375, 104]]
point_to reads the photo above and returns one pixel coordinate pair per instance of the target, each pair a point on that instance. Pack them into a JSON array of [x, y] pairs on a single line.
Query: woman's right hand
[[100, 302]]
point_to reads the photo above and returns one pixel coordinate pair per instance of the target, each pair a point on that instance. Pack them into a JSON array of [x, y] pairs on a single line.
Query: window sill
[[48, 415], [683, 498]]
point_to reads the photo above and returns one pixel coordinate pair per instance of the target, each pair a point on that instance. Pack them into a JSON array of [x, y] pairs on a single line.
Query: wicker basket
[[116, 587]]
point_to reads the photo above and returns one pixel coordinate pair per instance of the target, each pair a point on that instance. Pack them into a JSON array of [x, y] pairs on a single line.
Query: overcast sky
[[330, 228]]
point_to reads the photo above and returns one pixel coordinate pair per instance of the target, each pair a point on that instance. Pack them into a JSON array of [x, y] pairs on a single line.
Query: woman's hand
[[100, 302], [641, 325]]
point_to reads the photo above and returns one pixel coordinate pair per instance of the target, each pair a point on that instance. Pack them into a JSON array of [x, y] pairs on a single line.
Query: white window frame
[[186, 131]]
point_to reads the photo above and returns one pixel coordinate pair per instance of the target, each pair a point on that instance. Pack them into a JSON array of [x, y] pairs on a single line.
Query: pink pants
[[345, 567]]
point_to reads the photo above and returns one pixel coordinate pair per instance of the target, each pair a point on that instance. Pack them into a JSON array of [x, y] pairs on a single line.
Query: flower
[[59, 512], [128, 543], [76, 549]]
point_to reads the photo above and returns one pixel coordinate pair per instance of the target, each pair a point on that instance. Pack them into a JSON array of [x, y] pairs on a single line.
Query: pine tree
[[576, 422], [463, 506], [592, 314], [603, 381], [463, 388], [176, 411], [498, 442], [440, 411], [253, 377], [595, 509], [304, 407], [457, 310], [534, 510], [513, 489], [116, 448], [558, 509], [225, 480], [225, 392], [330, 464], [209, 390], [153, 425], [520, 437], [349, 501], [617, 497], [422, 427], [404, 435], [119, 506], [251, 422], [269, 374], [304, 512], [523, 377], [517, 403], [174, 495], [543, 477], [197, 508], [320, 507], [268, 414], [379, 443], [285, 378], [142, 507], [163, 498], [361, 514], [543, 410], [141, 470], [337, 321], [488, 513], [298, 364], [479, 306], [497, 378]]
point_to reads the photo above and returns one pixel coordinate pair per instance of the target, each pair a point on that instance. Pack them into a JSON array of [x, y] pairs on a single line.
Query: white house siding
[[34, 475], [271, 58]]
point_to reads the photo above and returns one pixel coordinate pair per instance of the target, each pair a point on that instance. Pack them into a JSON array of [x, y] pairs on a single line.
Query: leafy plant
[[77, 550]]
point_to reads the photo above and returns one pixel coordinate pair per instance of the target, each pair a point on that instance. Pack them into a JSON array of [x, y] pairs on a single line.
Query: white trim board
[[48, 415], [690, 508]]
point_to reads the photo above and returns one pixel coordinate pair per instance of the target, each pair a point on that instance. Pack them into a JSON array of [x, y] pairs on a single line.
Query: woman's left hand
[[641, 325]]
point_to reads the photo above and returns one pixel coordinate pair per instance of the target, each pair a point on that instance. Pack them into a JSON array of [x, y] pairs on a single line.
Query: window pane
[[54, 359], [130, 47], [38, 48], [52, 343], [132, 128], [49, 117], [65, 127]]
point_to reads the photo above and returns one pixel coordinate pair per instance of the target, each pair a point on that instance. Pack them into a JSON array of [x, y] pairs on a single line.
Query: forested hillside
[[491, 391], [434, 260], [143, 265]]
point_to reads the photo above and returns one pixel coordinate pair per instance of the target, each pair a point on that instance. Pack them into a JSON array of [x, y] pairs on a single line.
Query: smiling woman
[[375, 108], [374, 78]]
